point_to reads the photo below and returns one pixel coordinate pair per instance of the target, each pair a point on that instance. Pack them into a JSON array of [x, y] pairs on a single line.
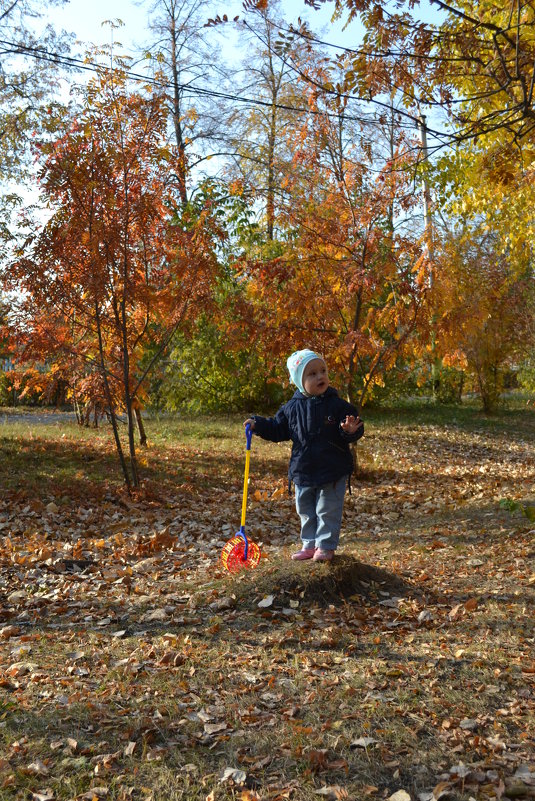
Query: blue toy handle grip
[[248, 436], [241, 533]]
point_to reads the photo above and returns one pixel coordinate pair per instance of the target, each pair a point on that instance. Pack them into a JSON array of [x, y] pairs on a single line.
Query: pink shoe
[[305, 553], [323, 556]]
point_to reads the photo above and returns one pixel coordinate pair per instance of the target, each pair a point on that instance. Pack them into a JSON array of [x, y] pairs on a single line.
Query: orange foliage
[[484, 302], [349, 283], [112, 270]]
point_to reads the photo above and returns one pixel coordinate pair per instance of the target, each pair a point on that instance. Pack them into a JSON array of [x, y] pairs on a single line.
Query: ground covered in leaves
[[132, 667]]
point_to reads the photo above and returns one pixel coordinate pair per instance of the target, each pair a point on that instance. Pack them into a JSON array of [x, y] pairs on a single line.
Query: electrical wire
[[442, 138], [77, 64]]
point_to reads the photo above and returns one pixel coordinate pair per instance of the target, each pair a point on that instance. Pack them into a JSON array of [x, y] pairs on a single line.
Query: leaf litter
[[131, 666]]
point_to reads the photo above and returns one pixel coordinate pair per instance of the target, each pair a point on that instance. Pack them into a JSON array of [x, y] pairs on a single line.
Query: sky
[[85, 18]]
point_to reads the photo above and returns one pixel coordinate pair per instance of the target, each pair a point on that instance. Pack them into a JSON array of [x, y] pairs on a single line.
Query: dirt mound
[[335, 582], [322, 583]]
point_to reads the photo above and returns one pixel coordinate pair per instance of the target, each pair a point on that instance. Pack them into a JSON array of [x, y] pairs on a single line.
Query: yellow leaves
[[236, 187], [372, 381], [99, 544], [265, 495]]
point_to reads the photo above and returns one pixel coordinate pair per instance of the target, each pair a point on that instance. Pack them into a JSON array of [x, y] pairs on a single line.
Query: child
[[321, 425]]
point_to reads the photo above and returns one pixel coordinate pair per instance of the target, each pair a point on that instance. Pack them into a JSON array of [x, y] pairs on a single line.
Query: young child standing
[[320, 425]]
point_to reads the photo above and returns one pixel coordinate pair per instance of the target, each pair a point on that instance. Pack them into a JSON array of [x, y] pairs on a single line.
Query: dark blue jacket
[[320, 448]]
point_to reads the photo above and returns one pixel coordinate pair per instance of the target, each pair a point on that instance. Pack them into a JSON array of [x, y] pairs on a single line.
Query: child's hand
[[249, 422], [350, 424]]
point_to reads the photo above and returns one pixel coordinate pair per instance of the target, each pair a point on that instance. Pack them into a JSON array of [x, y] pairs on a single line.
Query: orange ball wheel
[[240, 554]]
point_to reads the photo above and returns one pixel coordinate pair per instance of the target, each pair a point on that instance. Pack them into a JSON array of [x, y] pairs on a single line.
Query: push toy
[[239, 552]]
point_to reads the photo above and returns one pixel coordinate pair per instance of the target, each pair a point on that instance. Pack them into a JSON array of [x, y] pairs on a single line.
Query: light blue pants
[[320, 510]]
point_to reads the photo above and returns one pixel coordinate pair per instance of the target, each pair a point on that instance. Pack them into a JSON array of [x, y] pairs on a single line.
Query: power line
[[443, 138], [94, 67]]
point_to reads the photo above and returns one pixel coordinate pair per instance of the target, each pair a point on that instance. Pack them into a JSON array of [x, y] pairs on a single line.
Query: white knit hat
[[296, 364]]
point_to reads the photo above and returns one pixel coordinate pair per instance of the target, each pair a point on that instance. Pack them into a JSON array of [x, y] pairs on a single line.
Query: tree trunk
[[140, 426], [109, 400], [177, 117]]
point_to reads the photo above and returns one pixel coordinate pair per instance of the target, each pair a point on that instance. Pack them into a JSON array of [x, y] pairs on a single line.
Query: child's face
[[315, 377]]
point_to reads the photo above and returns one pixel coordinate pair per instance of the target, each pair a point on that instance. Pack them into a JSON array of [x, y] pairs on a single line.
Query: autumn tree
[[263, 153], [188, 62], [472, 60], [27, 77], [115, 262], [351, 280], [470, 66], [486, 300]]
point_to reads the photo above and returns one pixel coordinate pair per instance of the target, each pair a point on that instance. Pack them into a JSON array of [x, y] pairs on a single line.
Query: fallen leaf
[[44, 795], [442, 789], [267, 601], [9, 631], [94, 794], [129, 749], [317, 759], [454, 613], [234, 774], [333, 793], [424, 616], [214, 728], [37, 768], [363, 742], [249, 795]]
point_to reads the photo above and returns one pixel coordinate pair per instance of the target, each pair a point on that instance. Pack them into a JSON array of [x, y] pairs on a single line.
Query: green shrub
[[201, 375]]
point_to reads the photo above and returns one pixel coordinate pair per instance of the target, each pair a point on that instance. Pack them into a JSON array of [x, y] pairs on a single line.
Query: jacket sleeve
[[274, 429], [348, 409]]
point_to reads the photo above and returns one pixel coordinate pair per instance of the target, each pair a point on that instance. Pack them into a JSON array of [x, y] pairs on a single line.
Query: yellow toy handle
[[245, 487], [248, 440]]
